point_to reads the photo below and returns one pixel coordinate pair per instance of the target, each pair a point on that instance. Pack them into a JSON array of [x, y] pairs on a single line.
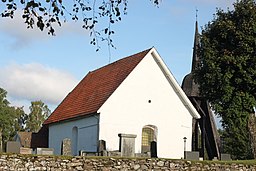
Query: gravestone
[[127, 145], [66, 147], [192, 155], [13, 147], [215, 159], [102, 148], [24, 150], [102, 145], [45, 151], [116, 153], [153, 149], [225, 157]]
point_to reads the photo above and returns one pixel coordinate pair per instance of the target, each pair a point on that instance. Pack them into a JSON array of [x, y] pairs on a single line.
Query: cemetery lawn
[[244, 162]]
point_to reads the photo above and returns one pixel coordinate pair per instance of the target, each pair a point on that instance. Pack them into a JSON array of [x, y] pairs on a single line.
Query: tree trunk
[[252, 133], [1, 141]]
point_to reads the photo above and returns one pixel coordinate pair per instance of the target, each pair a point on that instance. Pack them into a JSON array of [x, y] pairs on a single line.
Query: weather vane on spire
[[196, 13]]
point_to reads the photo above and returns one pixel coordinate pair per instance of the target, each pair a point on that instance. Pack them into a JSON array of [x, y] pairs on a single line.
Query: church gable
[[94, 89], [148, 97], [150, 81]]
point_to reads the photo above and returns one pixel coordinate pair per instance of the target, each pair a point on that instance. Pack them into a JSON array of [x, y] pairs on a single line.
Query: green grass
[[244, 162]]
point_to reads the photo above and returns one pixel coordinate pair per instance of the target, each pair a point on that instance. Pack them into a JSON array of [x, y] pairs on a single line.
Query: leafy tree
[[21, 118], [38, 113], [13, 119], [3, 100], [227, 73], [9, 117], [46, 14]]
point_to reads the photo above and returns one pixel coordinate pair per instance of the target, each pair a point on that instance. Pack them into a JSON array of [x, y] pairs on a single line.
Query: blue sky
[[35, 66]]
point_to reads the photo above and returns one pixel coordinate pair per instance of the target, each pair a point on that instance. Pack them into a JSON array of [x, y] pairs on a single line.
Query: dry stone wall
[[55, 163]]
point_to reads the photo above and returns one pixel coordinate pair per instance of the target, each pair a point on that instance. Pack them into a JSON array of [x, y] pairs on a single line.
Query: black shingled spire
[[189, 86], [195, 58], [209, 136]]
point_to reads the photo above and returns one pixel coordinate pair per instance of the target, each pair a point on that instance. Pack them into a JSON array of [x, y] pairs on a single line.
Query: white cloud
[[17, 31], [36, 82]]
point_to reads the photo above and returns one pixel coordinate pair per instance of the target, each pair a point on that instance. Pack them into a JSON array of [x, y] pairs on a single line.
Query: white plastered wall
[[87, 139], [128, 109]]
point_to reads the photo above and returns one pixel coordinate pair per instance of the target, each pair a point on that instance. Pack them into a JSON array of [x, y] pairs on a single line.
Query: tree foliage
[[14, 119], [10, 121], [46, 14], [227, 72], [38, 113]]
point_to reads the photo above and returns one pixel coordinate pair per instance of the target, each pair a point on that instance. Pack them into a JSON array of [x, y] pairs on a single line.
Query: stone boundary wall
[[59, 163]]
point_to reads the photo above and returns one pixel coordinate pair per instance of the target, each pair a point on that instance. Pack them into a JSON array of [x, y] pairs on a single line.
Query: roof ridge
[[112, 63]]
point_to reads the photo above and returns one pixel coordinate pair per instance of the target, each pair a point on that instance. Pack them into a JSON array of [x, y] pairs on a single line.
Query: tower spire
[[206, 122], [195, 58]]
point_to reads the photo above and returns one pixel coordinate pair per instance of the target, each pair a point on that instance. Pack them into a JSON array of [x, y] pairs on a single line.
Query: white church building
[[135, 95]]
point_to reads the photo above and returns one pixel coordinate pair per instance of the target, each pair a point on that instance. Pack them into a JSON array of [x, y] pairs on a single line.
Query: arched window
[[149, 134], [74, 140]]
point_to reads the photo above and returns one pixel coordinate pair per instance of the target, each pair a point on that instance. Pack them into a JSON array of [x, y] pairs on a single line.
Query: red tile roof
[[94, 89]]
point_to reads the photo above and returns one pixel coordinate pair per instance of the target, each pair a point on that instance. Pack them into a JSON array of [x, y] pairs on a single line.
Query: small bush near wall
[[59, 163]]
